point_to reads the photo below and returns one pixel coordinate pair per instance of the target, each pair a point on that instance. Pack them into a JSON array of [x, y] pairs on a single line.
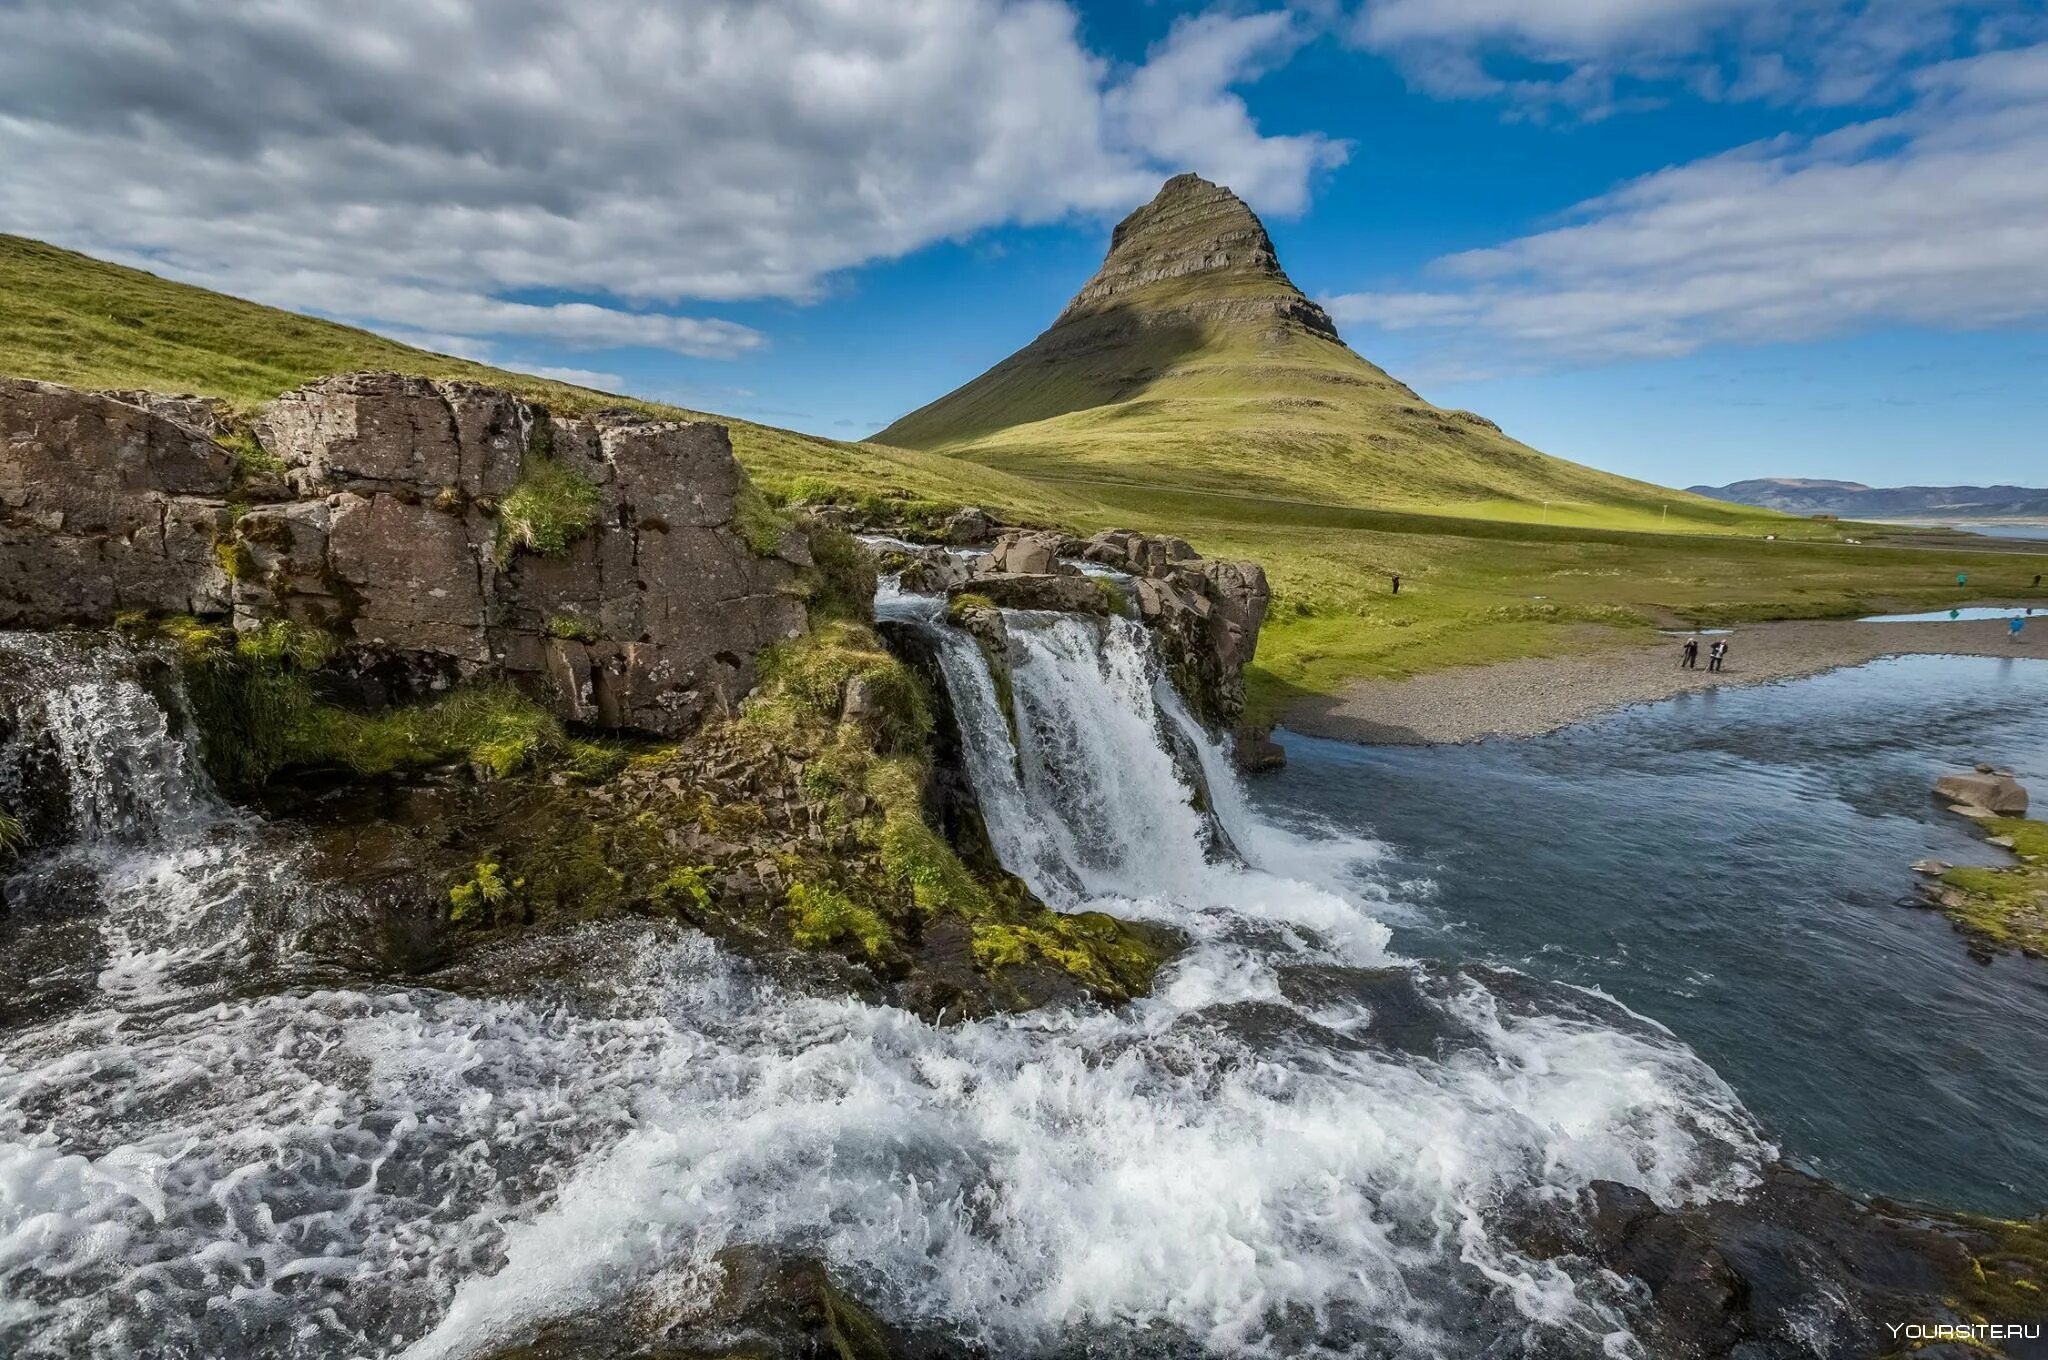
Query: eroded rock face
[[1207, 614], [104, 507], [385, 531]]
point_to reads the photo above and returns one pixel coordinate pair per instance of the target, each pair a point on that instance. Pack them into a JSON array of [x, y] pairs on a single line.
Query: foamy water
[[1269, 1155]]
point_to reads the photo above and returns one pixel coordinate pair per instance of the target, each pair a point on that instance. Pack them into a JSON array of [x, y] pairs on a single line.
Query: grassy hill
[[1191, 361], [69, 318], [1476, 588]]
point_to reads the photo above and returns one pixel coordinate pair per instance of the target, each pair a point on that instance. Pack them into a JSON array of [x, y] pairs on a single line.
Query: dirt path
[[1530, 697]]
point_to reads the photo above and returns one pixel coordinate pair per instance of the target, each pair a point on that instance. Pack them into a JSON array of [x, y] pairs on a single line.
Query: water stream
[[1295, 1146]]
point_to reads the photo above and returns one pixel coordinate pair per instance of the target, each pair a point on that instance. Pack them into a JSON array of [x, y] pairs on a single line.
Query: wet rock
[[1067, 594], [1795, 1268], [1256, 752], [1998, 794]]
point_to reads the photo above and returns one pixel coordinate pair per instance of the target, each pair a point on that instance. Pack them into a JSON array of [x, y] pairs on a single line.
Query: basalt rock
[[1066, 594], [1028, 552], [389, 533], [1207, 614], [1800, 1268]]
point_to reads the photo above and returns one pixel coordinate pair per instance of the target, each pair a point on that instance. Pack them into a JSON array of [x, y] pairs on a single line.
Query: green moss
[[13, 837], [815, 679], [235, 558], [2001, 909], [570, 627], [551, 507], [759, 524], [477, 899], [958, 607], [840, 583], [1099, 951], [821, 916], [254, 700], [685, 889], [252, 460]]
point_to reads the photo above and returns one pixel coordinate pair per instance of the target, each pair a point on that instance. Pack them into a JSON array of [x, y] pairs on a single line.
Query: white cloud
[[1593, 56], [1937, 216], [457, 166], [580, 377]]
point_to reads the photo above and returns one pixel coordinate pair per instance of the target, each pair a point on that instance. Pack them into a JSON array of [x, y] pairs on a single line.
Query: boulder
[[969, 527], [1998, 794], [1027, 552], [1069, 594]]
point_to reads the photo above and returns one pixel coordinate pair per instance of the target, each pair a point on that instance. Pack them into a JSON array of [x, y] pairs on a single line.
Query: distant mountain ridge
[[1854, 500]]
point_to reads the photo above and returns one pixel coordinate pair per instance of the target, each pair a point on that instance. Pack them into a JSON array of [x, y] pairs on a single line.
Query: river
[[214, 1142]]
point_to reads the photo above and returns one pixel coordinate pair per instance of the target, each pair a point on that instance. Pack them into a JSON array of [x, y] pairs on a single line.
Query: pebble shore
[[1532, 696]]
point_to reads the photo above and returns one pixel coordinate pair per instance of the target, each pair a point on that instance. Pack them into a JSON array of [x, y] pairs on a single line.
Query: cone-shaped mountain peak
[[1191, 362], [1194, 245]]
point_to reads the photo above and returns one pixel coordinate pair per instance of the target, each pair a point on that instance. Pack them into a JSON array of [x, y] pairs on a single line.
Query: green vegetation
[[13, 837], [551, 507], [2004, 909], [258, 710], [759, 524]]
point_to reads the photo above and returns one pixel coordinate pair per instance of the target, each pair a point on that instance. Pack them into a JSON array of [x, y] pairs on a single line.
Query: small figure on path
[[1689, 654], [2013, 626], [1716, 655], [1397, 583], [2037, 580]]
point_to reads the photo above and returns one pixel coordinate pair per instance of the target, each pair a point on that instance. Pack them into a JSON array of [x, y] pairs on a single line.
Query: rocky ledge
[[617, 566], [1205, 613]]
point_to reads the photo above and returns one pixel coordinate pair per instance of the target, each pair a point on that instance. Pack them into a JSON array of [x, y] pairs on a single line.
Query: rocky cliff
[[437, 530]]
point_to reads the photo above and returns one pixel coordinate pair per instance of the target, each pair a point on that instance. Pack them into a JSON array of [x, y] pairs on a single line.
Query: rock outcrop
[[438, 530], [1205, 613], [2001, 795]]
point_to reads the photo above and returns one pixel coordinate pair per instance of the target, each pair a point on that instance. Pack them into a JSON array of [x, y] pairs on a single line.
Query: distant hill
[[1854, 500], [1190, 360]]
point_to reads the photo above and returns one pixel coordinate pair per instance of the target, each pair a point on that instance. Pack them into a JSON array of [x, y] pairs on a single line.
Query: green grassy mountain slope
[[1190, 360], [69, 318]]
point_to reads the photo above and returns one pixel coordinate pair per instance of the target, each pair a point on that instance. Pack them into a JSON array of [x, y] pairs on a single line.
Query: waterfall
[[1296, 1145], [146, 835]]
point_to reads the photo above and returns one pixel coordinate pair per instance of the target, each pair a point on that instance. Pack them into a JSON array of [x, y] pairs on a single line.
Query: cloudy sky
[[1688, 239]]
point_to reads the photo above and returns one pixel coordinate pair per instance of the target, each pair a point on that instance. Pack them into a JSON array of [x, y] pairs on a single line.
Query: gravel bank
[[1530, 697]]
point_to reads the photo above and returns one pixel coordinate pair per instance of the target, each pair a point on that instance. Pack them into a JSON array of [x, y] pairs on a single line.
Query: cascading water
[[1295, 1146]]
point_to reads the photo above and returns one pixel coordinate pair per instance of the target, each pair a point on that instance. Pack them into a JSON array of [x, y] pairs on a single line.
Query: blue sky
[[1691, 240]]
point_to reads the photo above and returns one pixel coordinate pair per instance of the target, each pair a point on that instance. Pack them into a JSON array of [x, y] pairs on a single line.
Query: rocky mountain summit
[[1192, 228]]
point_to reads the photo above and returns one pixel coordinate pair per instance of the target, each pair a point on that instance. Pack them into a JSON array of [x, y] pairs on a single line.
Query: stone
[[1931, 868], [1256, 752], [969, 527], [1027, 552], [1999, 794], [1067, 594], [363, 431]]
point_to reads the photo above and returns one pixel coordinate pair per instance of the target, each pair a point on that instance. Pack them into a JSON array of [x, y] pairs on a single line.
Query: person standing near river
[[1689, 655], [1717, 655], [2013, 626]]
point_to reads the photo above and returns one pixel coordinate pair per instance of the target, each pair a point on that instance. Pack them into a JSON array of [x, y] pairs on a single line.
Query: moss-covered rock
[[2002, 909]]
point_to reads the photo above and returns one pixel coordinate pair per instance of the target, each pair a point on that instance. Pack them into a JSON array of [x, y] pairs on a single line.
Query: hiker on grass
[[1397, 583], [1716, 656], [1689, 655]]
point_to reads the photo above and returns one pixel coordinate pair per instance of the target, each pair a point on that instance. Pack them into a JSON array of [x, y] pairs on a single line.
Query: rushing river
[[214, 1142]]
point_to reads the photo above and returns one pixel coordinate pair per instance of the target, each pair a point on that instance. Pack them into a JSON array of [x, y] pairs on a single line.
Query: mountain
[[72, 319], [1191, 359], [1854, 500]]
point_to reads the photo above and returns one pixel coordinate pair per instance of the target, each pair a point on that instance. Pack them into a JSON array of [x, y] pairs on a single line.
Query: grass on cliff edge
[[2004, 908]]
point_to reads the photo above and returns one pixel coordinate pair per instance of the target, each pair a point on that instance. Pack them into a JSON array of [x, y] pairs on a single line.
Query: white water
[[1250, 1161]]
